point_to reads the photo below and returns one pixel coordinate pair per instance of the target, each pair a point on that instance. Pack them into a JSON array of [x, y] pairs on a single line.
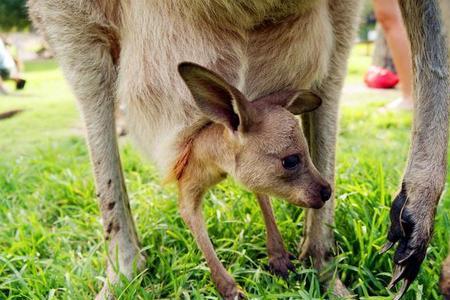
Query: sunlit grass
[[51, 243]]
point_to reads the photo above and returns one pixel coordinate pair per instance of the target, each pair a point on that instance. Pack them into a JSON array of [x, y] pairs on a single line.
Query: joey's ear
[[217, 100], [296, 101], [305, 101]]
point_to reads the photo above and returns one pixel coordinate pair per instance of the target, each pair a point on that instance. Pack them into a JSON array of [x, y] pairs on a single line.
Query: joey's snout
[[317, 195], [314, 193], [325, 192]]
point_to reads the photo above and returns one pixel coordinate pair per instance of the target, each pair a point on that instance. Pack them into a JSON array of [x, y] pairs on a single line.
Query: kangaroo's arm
[[413, 210]]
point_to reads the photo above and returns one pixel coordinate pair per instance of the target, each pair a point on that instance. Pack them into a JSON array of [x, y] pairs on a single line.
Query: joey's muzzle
[[314, 196], [325, 193]]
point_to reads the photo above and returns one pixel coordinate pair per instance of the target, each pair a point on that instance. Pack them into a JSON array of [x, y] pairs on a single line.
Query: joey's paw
[[104, 294], [411, 226], [229, 290], [234, 293], [340, 290], [280, 264]]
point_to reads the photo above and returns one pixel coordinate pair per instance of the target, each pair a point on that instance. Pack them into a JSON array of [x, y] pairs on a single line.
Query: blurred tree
[[13, 15], [367, 21]]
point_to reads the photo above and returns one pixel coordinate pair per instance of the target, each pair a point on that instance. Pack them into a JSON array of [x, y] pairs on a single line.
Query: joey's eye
[[290, 162]]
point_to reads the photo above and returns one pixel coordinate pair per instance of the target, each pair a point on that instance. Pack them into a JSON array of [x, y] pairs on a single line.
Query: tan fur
[[239, 46], [181, 162], [128, 52]]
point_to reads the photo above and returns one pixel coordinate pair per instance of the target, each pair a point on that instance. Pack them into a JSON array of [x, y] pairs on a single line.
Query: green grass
[[51, 244]]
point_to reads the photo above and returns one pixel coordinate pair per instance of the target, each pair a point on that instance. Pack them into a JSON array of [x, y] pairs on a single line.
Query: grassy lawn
[[51, 244]]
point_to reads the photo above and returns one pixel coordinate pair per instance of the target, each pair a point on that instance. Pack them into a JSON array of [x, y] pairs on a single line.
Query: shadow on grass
[[9, 114]]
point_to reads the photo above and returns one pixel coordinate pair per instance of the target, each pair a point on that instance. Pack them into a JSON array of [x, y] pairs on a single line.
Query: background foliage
[[13, 15]]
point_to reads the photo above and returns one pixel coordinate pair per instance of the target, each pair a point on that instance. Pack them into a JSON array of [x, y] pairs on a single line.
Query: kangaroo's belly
[[291, 53]]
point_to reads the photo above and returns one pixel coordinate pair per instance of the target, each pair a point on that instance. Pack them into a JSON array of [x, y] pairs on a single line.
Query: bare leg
[[279, 258], [3, 89], [87, 63], [389, 16], [190, 200], [320, 128]]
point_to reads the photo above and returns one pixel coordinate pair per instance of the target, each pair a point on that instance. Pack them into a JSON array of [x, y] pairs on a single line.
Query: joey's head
[[270, 153]]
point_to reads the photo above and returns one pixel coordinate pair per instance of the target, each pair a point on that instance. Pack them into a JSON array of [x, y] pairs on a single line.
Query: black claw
[[292, 268], [408, 256], [406, 230], [387, 247], [398, 274], [401, 252], [408, 269], [405, 285], [399, 217]]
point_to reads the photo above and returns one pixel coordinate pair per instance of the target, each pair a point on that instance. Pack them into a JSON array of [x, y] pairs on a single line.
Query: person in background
[[388, 15], [8, 70]]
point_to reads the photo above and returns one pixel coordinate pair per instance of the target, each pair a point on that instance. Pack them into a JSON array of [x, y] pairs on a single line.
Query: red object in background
[[380, 78]]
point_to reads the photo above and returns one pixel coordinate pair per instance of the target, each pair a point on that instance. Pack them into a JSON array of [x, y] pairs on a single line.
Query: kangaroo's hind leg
[[320, 127], [86, 44]]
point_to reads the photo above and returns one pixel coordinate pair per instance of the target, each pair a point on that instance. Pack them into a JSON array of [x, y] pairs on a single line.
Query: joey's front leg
[[190, 200], [279, 259]]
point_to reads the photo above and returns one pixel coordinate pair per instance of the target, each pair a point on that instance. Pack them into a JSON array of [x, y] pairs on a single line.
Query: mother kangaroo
[[197, 123]]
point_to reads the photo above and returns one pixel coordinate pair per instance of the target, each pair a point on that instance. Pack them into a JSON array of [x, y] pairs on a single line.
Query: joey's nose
[[325, 193]]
